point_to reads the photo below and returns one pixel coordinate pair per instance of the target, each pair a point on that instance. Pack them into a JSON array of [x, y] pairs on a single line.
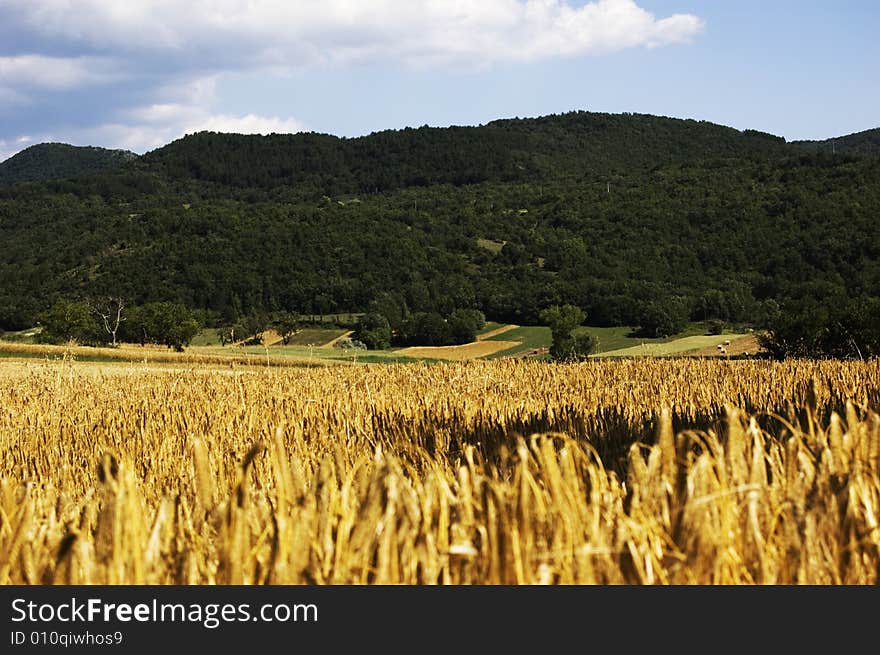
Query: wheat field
[[508, 472]]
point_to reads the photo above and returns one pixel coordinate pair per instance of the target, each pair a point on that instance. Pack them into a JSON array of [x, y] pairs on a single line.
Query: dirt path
[[271, 337], [496, 331], [333, 342]]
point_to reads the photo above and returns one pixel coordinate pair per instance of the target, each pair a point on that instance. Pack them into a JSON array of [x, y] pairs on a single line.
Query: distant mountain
[[59, 161], [860, 143], [572, 144]]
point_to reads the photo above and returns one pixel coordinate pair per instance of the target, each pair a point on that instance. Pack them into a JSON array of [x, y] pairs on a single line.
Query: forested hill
[[860, 143], [567, 145], [636, 219], [58, 161]]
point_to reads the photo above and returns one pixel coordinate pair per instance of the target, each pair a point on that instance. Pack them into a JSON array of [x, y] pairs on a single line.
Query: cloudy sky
[[138, 74]]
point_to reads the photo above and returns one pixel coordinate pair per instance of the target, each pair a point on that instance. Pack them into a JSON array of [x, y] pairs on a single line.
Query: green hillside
[[58, 161], [860, 143], [513, 150], [639, 220]]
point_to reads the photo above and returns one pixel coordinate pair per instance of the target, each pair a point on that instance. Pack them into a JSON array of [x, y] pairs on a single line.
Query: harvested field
[[465, 351], [689, 345], [739, 346]]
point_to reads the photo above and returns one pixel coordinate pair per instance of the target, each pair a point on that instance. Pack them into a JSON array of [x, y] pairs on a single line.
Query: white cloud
[[56, 73], [147, 128], [248, 124], [183, 107], [7, 150], [159, 60], [160, 123], [12, 146], [249, 33]]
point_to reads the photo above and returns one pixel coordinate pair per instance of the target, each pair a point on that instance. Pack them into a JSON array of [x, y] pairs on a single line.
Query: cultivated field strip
[[513, 472]]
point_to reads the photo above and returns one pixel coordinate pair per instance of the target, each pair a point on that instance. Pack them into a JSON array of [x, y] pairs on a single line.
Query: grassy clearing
[[492, 246], [21, 336], [611, 338], [527, 338], [618, 338], [501, 329], [207, 337], [673, 347], [490, 326]]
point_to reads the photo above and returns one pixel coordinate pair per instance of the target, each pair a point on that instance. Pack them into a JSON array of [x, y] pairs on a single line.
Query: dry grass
[[739, 346], [459, 353], [630, 472], [132, 353], [683, 346]]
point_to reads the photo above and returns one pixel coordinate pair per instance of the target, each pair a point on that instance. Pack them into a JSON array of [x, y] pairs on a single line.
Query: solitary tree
[[286, 324], [562, 321], [110, 313]]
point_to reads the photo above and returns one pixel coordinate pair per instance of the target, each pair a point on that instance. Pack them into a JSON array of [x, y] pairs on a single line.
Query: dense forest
[[637, 220], [59, 161], [860, 143]]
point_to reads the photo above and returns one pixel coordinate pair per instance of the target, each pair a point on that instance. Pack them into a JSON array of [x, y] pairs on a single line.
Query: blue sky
[[138, 74]]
